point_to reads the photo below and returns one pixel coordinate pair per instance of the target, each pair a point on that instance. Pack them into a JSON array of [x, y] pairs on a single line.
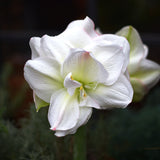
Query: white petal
[[145, 51], [148, 73], [79, 33], [134, 64], [118, 95], [137, 50], [54, 47], [71, 84], [84, 67], [35, 47], [113, 52], [63, 111], [114, 68], [98, 31], [136, 45], [43, 76], [89, 102], [87, 25], [106, 46], [84, 116]]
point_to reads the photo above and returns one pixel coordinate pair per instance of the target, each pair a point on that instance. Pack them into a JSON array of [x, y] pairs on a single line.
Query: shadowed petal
[[137, 49], [113, 52], [71, 84], [35, 47], [84, 67], [87, 101], [118, 95], [43, 76], [84, 116], [52, 46], [148, 73], [63, 111]]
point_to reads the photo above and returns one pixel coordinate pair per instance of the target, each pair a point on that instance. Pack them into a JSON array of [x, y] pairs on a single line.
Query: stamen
[[81, 91], [84, 95], [71, 78], [81, 88]]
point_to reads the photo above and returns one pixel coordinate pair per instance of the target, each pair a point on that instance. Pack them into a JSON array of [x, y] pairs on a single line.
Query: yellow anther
[[81, 87], [71, 78], [84, 95]]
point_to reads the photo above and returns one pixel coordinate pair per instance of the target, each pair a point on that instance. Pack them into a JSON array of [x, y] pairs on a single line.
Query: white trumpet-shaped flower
[[76, 71], [144, 73]]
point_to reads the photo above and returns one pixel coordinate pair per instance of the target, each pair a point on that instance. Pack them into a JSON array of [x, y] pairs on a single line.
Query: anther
[[71, 78]]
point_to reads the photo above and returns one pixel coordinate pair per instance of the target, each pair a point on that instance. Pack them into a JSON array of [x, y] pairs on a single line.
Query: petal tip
[[53, 129]]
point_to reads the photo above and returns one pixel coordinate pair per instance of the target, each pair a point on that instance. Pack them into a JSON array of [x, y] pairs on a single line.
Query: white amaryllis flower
[[76, 71], [144, 73]]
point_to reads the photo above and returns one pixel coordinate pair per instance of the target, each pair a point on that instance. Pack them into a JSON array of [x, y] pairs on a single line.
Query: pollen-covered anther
[[81, 87], [81, 91], [84, 95], [71, 78]]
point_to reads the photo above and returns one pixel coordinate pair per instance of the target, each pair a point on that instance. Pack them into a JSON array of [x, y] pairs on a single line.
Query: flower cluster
[[80, 69]]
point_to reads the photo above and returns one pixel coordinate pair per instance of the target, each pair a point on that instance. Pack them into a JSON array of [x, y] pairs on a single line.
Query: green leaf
[[39, 103]]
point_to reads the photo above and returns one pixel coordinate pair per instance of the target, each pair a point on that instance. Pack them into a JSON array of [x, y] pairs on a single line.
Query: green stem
[[80, 144]]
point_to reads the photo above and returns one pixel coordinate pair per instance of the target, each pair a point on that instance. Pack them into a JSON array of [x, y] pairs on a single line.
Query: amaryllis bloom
[[76, 71], [144, 73]]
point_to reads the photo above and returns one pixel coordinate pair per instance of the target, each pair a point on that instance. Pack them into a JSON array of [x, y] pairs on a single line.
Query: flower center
[[75, 86], [82, 92]]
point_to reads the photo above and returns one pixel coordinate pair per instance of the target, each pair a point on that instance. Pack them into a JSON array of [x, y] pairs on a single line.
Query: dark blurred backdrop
[[22, 19]]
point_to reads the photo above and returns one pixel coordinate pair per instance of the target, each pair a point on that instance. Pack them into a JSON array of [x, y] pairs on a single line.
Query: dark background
[[22, 19]]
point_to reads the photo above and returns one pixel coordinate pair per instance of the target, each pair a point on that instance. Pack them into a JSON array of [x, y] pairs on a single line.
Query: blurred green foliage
[[8, 103], [128, 133], [111, 135]]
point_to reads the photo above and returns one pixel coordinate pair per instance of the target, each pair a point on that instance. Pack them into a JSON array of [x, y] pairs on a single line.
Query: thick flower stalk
[[144, 73], [76, 71]]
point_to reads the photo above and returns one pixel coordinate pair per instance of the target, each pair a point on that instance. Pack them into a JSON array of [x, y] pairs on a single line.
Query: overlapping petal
[[63, 112], [35, 47], [43, 76], [137, 49], [53, 47], [118, 95], [84, 67], [139, 89], [79, 33], [84, 116], [87, 101], [71, 84], [113, 52], [148, 73], [49, 47]]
